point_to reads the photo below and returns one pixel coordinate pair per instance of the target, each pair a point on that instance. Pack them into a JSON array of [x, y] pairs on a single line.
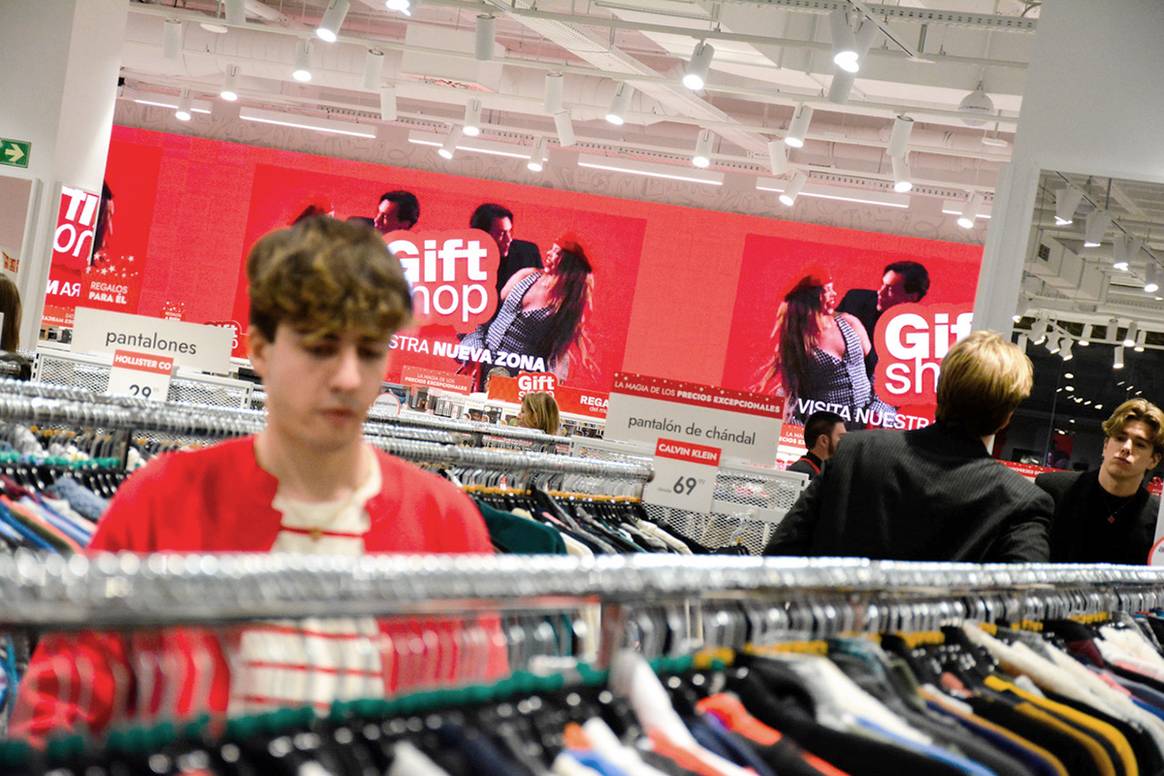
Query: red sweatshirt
[[219, 500]]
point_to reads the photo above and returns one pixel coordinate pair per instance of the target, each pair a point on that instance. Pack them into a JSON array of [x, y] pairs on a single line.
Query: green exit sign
[[15, 153]]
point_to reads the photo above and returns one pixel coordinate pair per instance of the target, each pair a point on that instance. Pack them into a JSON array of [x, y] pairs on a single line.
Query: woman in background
[[11, 308], [540, 411], [819, 357], [543, 312]]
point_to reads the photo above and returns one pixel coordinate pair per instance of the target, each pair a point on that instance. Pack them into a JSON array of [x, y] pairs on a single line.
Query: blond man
[[1107, 515], [934, 493], [326, 297]]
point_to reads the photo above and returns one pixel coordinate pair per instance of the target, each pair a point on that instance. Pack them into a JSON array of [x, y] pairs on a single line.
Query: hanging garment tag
[[140, 375], [684, 476]]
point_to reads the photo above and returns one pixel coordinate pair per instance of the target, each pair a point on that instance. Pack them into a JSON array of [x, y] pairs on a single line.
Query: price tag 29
[[140, 375], [684, 476]]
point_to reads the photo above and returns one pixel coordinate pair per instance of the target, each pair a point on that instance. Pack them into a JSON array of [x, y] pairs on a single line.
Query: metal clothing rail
[[156, 590], [471, 457]]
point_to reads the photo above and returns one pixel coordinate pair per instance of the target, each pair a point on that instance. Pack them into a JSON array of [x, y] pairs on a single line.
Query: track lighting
[[1118, 361], [1119, 253], [1039, 330], [552, 101], [901, 177], [406, 7], [230, 84], [799, 126], [565, 129], [971, 211], [235, 11], [184, 103], [1152, 278], [1065, 353], [1095, 228], [302, 71], [789, 195], [537, 159], [449, 149], [373, 69], [472, 125], [388, 103], [702, 156], [620, 104], [1085, 340], [695, 76], [842, 82], [777, 157], [171, 38], [845, 54], [1066, 202], [899, 136], [1141, 340], [1053, 344], [486, 32], [333, 19], [1022, 342]]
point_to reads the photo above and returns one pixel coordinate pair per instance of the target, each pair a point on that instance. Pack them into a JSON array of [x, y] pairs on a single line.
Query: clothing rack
[[125, 590]]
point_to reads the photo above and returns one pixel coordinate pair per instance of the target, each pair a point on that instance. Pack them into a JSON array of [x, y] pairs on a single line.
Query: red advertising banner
[[419, 377], [570, 399], [655, 289], [687, 451]]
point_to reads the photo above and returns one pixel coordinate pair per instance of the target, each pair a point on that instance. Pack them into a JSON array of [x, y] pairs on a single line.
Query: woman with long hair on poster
[[543, 313], [819, 357]]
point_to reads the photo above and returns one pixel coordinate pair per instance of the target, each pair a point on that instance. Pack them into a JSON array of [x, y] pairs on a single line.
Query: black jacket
[[861, 303], [931, 494], [522, 254], [1079, 534], [809, 464]]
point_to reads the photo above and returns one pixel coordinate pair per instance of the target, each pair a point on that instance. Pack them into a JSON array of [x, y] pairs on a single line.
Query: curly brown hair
[[322, 277]]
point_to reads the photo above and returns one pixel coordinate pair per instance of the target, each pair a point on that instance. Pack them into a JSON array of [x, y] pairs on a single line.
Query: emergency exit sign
[[14, 153]]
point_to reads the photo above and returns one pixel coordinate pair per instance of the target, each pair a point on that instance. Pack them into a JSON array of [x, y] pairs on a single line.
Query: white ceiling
[[771, 55]]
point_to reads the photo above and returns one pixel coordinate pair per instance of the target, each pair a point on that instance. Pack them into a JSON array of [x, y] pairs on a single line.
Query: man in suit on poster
[[497, 220], [901, 282]]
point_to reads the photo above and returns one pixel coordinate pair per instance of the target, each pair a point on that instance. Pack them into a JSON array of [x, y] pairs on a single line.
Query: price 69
[[685, 486]]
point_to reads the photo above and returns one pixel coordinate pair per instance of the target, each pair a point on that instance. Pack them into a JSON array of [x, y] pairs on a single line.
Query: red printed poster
[[850, 325], [575, 401]]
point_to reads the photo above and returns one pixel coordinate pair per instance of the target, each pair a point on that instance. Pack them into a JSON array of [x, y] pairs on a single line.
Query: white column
[[1092, 104], [59, 62]]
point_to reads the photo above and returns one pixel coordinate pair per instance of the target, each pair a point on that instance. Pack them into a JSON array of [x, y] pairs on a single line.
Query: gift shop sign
[[204, 348], [911, 340], [140, 375], [684, 476], [452, 275], [419, 377], [570, 399], [743, 425]]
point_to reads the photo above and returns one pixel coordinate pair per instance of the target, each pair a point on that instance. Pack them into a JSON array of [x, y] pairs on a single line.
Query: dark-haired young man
[[497, 220], [822, 433], [901, 282], [398, 210], [1108, 516]]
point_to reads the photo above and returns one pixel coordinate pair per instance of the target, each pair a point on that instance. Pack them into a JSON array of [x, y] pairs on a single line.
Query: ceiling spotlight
[[620, 104], [901, 176], [405, 7], [537, 159], [302, 71], [184, 103], [1130, 335], [799, 126], [1152, 278], [845, 54], [333, 19], [1070, 388], [1069, 375], [1141, 341], [565, 129], [1022, 342], [373, 69], [1099, 406], [777, 157], [695, 76], [1087, 402], [552, 101], [789, 195], [1119, 252], [977, 107], [899, 136], [230, 84], [1039, 330], [1066, 203], [171, 38], [449, 149], [388, 103], [1096, 226], [1053, 344], [702, 155], [842, 82], [1085, 340], [1118, 361], [235, 11], [1065, 352], [970, 212], [486, 33], [472, 126]]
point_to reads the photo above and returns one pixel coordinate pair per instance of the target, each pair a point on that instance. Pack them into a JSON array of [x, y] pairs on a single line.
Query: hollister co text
[[150, 342]]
